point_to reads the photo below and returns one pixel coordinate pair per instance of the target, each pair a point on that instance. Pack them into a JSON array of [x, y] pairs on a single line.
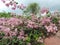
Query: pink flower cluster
[[45, 20], [7, 31], [6, 26], [21, 34], [43, 10], [13, 4], [10, 25], [32, 24], [51, 28], [14, 21]]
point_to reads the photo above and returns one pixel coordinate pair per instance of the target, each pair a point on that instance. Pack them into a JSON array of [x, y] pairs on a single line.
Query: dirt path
[[53, 40]]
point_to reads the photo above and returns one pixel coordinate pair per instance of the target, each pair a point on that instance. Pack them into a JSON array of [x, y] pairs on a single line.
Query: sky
[[51, 4]]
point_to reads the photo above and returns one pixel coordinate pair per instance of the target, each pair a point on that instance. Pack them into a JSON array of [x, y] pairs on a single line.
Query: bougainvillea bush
[[27, 31]]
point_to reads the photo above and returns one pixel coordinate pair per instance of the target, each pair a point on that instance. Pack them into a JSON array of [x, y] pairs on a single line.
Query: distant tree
[[32, 8]]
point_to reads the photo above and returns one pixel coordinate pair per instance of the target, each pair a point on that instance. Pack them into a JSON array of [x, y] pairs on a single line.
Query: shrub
[[24, 30], [6, 15]]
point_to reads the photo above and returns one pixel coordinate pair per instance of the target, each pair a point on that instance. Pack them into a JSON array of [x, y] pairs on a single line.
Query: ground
[[55, 40]]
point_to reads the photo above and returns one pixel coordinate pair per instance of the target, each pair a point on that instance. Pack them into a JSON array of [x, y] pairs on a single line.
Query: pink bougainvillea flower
[[21, 6], [51, 28], [3, 21], [20, 37], [45, 20], [32, 24], [3, 1], [54, 26], [43, 10], [21, 34], [4, 29], [36, 26], [7, 4], [13, 33], [14, 22], [11, 3], [29, 26], [14, 5], [13, 8]]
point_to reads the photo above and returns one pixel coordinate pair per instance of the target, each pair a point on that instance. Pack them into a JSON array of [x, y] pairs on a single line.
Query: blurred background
[[51, 4]]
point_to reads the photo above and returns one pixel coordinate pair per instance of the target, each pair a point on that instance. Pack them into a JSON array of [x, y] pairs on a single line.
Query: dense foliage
[[4, 14], [27, 31]]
